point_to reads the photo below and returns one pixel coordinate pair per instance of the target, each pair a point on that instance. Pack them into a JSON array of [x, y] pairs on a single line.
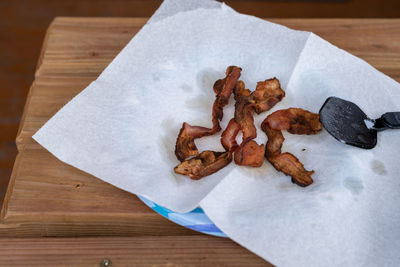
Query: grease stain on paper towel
[[156, 78], [168, 140], [201, 103], [167, 144], [285, 186], [257, 173], [378, 167], [353, 184], [186, 88], [205, 81]]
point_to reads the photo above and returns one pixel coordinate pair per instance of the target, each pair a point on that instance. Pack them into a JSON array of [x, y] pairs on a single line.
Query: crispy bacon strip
[[249, 154], [244, 117], [295, 121], [240, 90], [290, 165], [206, 163], [284, 162], [223, 88], [228, 137], [217, 114], [275, 140], [266, 95], [185, 146]]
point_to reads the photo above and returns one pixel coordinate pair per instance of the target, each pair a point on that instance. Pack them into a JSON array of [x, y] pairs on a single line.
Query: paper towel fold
[[122, 129]]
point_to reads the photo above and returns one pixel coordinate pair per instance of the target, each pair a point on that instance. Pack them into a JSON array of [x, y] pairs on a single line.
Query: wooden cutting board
[[49, 198]]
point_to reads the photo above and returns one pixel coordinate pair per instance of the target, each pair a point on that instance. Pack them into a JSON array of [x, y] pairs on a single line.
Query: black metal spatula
[[346, 122]]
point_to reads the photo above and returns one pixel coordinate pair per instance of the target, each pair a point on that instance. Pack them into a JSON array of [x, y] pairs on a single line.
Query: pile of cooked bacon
[[267, 94]]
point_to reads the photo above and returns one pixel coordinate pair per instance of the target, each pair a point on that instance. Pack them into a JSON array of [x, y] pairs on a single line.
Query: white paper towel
[[122, 129]]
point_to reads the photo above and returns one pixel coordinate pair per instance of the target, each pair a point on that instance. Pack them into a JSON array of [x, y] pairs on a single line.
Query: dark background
[[23, 24]]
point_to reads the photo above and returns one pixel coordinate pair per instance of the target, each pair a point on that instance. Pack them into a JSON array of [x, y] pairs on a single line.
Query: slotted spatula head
[[346, 122]]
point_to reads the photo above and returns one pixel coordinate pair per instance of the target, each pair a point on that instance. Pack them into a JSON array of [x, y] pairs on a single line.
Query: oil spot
[[329, 197], [156, 78], [171, 130], [378, 167], [257, 173], [186, 88], [353, 184], [200, 103], [93, 54], [206, 79], [169, 126], [303, 149], [168, 149], [285, 186]]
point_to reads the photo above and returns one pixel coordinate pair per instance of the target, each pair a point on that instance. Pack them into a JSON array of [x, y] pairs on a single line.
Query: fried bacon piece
[[244, 117], [275, 140], [240, 90], [266, 95], [286, 162], [185, 146], [295, 121], [290, 165], [228, 137], [249, 154], [223, 88], [217, 114], [206, 163]]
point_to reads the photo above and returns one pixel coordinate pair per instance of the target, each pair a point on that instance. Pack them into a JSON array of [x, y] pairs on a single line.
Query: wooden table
[[47, 198]]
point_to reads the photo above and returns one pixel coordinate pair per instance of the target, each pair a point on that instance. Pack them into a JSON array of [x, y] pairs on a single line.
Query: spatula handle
[[391, 120]]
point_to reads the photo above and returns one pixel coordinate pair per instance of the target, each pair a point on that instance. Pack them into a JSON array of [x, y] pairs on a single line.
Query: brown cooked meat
[[223, 89], [240, 90], [267, 94], [295, 121], [290, 165], [228, 137], [206, 163], [244, 117], [298, 121], [249, 154], [275, 140]]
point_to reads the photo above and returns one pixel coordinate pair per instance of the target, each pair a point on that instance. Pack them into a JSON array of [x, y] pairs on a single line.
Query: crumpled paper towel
[[122, 129]]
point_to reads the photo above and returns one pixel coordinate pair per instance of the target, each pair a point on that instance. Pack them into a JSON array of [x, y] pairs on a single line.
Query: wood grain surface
[[49, 198], [172, 251]]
